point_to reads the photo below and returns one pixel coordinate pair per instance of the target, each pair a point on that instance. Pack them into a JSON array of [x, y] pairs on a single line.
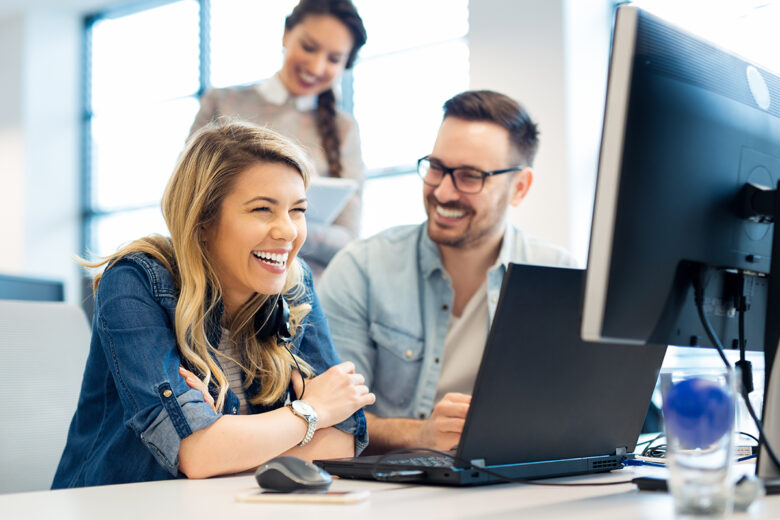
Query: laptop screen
[[544, 394]]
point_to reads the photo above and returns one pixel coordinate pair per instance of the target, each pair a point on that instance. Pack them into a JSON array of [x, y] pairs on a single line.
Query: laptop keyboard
[[423, 460]]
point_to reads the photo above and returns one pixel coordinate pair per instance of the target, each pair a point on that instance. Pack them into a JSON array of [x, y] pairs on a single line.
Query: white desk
[[215, 499]]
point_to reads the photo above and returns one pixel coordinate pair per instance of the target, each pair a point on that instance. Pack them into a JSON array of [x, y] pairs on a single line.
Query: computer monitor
[[687, 126], [31, 289]]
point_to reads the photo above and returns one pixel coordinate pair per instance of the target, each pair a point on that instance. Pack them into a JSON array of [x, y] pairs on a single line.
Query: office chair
[[43, 350]]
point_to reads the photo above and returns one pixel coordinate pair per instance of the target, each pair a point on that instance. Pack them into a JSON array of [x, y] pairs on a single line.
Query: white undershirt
[[232, 369], [463, 346]]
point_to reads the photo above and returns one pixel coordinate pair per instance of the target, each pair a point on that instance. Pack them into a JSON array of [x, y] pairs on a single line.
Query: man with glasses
[[412, 306]]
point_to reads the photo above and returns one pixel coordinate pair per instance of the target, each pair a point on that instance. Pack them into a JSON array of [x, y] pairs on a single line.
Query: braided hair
[[346, 13]]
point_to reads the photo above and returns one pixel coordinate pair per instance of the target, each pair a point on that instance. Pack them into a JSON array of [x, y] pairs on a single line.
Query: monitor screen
[[25, 288], [686, 126]]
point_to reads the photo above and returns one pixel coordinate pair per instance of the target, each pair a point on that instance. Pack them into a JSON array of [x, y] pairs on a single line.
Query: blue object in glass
[[698, 411]]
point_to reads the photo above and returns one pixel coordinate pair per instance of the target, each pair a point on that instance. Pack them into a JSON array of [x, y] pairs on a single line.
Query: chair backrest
[[43, 350]]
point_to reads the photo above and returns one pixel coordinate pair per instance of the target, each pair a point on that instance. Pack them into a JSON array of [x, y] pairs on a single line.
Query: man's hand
[[443, 428]]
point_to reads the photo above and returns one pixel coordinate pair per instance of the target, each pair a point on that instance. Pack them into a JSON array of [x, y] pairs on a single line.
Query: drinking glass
[[699, 417]]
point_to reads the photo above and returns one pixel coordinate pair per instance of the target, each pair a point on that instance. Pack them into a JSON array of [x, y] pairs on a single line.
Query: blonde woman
[[190, 371]]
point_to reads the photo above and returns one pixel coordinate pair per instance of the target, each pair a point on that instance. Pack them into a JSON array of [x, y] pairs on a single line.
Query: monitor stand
[[771, 421], [763, 205]]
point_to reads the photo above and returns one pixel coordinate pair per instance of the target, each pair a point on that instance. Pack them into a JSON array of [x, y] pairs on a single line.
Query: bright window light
[[134, 151], [399, 98], [246, 40], [147, 56]]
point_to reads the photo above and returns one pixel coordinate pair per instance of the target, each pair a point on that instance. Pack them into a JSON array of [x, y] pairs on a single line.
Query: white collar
[[275, 92], [507, 247]]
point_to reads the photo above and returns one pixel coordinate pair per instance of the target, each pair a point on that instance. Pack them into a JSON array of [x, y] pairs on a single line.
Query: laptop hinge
[[477, 463], [621, 450]]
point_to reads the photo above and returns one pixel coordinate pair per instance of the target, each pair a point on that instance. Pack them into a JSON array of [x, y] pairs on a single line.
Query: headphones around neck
[[273, 319]]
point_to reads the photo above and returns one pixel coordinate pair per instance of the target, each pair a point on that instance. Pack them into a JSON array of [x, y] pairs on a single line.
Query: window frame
[[90, 213]]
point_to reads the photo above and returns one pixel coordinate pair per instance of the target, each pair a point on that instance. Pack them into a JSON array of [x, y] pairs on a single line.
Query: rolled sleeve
[[179, 417], [139, 344], [355, 425]]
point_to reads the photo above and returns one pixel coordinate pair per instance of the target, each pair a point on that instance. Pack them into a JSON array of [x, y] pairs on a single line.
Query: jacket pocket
[[398, 365]]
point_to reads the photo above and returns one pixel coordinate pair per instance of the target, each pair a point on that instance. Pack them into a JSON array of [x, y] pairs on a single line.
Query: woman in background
[[210, 352], [321, 39]]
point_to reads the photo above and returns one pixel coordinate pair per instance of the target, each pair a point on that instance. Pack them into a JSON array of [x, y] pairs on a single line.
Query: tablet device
[[327, 198]]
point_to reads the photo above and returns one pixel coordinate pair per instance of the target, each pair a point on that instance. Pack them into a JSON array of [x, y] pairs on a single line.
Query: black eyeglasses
[[465, 179]]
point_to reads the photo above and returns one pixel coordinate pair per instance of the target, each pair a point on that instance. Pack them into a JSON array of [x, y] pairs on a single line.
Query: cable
[[650, 441], [699, 299], [637, 462], [659, 450], [744, 365], [746, 434], [653, 451], [705, 321], [406, 475], [303, 378]]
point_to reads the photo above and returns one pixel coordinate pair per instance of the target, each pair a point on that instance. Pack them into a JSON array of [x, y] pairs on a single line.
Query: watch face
[[303, 407]]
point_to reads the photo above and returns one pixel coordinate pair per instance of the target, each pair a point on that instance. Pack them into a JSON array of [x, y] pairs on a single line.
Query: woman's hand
[[197, 384], [335, 394]]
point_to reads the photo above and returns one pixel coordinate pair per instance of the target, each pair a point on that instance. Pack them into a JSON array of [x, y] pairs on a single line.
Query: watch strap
[[311, 425]]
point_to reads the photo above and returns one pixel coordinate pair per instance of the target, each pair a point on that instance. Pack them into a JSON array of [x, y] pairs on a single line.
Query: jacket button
[[422, 415], [167, 393], [234, 410], [408, 353], [445, 307], [436, 360]]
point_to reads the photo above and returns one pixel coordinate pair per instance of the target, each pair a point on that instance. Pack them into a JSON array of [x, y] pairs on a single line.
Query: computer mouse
[[288, 474]]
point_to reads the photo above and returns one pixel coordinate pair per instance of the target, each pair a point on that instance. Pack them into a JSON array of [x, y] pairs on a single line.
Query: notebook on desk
[[545, 403]]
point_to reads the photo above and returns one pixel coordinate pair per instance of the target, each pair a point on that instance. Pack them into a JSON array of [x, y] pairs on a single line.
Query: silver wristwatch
[[305, 411]]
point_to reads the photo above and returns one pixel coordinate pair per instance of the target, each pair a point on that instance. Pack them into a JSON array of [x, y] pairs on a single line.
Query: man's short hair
[[487, 105]]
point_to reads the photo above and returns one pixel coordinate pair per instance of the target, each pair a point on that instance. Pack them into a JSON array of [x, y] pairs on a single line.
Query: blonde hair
[[204, 175]]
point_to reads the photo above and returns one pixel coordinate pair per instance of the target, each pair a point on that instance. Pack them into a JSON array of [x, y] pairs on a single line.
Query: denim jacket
[[388, 301], [134, 408]]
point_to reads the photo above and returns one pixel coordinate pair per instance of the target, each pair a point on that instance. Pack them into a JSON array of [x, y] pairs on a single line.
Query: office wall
[[12, 206], [39, 145], [551, 55]]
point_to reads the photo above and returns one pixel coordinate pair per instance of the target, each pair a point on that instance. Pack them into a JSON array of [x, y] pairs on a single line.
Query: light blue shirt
[[388, 301]]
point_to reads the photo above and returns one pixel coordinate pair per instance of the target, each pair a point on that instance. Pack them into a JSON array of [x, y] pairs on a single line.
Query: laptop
[[545, 403]]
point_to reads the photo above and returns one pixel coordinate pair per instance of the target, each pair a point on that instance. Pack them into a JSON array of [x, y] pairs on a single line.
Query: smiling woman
[[260, 227], [321, 39], [185, 377]]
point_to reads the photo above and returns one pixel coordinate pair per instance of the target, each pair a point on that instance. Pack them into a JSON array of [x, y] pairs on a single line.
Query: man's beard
[[463, 241]]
